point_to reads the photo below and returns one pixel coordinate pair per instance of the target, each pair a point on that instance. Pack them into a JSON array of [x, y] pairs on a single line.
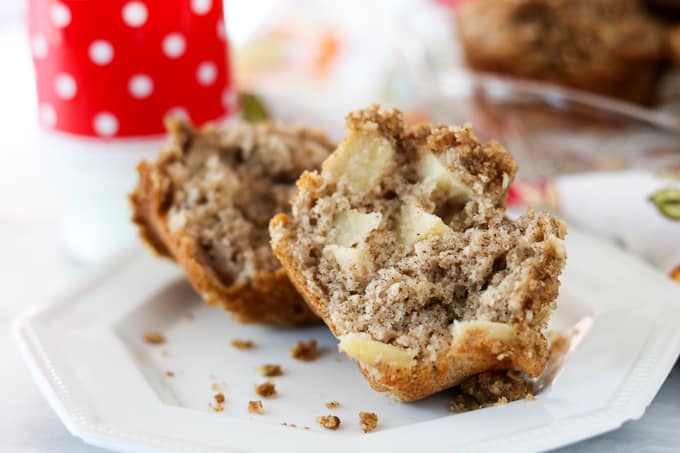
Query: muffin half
[[207, 200], [402, 246]]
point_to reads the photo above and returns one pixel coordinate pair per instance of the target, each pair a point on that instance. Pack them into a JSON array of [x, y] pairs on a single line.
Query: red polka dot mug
[[108, 72], [116, 68]]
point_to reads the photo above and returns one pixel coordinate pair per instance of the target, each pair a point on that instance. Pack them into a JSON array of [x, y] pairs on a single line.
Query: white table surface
[[33, 268]]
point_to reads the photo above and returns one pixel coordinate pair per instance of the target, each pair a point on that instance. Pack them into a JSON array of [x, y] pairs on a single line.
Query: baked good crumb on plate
[[402, 246], [206, 202]]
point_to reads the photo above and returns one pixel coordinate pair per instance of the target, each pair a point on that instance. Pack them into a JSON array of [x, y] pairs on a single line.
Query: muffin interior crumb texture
[[402, 240], [228, 183]]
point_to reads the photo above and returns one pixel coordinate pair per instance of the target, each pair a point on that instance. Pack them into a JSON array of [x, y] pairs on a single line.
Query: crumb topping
[[329, 421], [332, 404], [368, 420], [488, 389], [154, 337], [270, 370], [266, 389], [255, 407], [304, 350], [242, 344]]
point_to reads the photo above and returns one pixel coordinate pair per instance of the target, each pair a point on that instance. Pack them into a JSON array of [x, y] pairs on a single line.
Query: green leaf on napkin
[[252, 108], [668, 202]]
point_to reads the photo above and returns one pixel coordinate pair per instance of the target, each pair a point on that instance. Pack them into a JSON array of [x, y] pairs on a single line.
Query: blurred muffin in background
[[674, 45], [610, 47]]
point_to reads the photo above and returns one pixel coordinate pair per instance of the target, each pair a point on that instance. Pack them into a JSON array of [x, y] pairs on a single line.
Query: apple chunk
[[350, 260], [435, 174], [361, 160], [366, 351], [352, 227], [416, 225]]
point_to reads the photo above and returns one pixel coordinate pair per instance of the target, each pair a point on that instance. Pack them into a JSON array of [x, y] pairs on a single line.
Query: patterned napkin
[[639, 210]]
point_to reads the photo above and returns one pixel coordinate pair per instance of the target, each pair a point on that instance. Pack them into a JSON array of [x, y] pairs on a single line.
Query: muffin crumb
[[304, 350], [332, 404], [215, 386], [219, 398], [329, 421], [242, 344], [255, 407], [154, 337], [270, 370], [491, 388], [463, 403], [266, 389], [169, 373], [369, 421]]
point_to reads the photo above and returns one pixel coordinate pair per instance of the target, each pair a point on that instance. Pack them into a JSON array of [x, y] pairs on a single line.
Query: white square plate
[[110, 388]]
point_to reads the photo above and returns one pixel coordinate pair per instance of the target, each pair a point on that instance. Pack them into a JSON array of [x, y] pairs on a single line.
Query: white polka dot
[[206, 73], [65, 86], [60, 15], [105, 124], [135, 14], [101, 52], [221, 31], [48, 116], [229, 99], [174, 45], [179, 112], [201, 7], [39, 47], [140, 86]]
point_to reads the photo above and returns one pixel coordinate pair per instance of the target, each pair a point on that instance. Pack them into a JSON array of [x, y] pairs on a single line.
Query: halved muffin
[[402, 246], [207, 200]]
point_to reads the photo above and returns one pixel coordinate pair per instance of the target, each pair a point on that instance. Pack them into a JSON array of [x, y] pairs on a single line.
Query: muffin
[[401, 245], [674, 45], [609, 47], [206, 203]]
